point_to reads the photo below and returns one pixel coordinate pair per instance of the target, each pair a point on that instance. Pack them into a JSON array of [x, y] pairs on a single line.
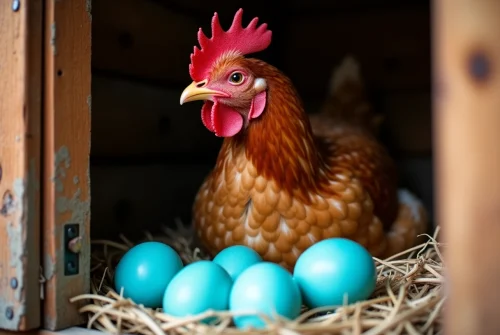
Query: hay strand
[[408, 298]]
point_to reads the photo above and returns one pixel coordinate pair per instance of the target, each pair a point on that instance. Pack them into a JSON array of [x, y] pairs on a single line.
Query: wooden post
[[66, 179], [20, 113], [467, 133]]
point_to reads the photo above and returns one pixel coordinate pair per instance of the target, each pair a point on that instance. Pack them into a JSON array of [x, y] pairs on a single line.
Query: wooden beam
[[162, 127], [392, 47], [467, 133], [20, 113], [144, 40], [66, 149]]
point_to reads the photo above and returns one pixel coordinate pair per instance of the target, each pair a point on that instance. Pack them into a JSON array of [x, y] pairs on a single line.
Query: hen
[[283, 181]]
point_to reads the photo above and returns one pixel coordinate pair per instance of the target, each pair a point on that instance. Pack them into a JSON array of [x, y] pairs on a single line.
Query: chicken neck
[[280, 144]]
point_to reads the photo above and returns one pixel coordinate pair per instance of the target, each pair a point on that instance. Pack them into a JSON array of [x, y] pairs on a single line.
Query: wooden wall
[[149, 155]]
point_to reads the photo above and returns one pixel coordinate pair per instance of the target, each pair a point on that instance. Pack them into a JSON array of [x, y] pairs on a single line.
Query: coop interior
[[149, 154]]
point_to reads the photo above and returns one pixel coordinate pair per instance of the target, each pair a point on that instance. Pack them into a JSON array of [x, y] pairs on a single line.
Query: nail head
[[13, 283], [479, 66], [9, 313], [16, 4], [71, 232]]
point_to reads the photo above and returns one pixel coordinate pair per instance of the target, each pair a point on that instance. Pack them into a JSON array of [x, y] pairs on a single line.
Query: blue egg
[[236, 259], [200, 286], [265, 288], [333, 268], [145, 271]]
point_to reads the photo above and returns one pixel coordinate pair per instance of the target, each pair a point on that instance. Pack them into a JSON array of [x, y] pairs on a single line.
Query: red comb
[[242, 40]]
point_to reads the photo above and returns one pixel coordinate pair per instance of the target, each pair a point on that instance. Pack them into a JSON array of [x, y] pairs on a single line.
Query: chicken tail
[[346, 83], [411, 222], [346, 99]]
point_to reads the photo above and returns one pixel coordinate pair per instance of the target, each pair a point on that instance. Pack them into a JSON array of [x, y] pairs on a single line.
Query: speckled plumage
[[282, 185]]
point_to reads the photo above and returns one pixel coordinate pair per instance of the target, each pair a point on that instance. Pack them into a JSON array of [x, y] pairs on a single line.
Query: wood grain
[[20, 113], [408, 122], [145, 40], [319, 7], [66, 149], [136, 119], [153, 39], [67, 331], [467, 119], [392, 46], [134, 198]]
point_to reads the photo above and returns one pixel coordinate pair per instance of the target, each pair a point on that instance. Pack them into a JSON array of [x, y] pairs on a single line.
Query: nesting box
[[93, 142]]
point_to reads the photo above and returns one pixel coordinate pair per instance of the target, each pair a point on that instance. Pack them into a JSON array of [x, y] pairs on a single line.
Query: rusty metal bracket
[[72, 247]]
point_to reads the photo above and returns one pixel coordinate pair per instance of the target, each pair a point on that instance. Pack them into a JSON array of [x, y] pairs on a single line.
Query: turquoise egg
[[333, 268], [265, 288], [198, 287], [145, 271], [236, 259]]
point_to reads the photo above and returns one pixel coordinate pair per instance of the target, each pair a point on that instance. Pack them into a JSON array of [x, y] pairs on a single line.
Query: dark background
[[149, 154]]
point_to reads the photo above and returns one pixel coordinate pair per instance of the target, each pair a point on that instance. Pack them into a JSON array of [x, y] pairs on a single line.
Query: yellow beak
[[194, 92]]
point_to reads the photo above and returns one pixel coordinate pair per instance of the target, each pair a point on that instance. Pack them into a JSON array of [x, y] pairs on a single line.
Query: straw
[[408, 299]]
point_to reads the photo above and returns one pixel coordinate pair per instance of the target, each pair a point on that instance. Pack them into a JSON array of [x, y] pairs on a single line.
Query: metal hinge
[[72, 247]]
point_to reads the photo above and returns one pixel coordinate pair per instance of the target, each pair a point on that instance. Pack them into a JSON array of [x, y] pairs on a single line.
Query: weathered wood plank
[[294, 7], [135, 119], [467, 119], [145, 39], [153, 39], [392, 46], [67, 331], [66, 149], [20, 114], [134, 198], [319, 7], [408, 122]]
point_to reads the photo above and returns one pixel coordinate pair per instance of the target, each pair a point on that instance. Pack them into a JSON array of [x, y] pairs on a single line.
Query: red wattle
[[220, 119], [206, 115], [226, 121]]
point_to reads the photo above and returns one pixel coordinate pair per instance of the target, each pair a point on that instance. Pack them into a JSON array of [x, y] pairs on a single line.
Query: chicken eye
[[236, 78]]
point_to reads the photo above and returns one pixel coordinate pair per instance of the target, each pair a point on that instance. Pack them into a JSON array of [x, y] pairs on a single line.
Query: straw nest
[[408, 299]]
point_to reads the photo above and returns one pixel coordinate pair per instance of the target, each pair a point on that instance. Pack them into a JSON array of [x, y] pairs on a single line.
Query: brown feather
[[279, 187]]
